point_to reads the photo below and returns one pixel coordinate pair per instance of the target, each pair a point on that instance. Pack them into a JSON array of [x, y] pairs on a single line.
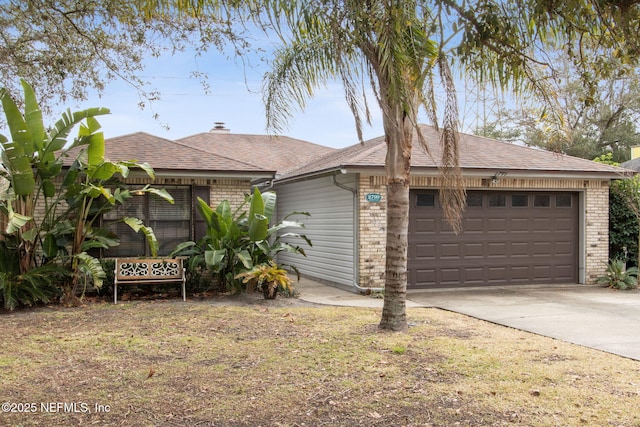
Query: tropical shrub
[[236, 241], [618, 276], [225, 247], [266, 250], [37, 285], [269, 278], [72, 198], [198, 277], [109, 267]]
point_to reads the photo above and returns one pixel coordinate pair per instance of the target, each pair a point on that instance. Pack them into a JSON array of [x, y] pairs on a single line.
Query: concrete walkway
[[591, 316]]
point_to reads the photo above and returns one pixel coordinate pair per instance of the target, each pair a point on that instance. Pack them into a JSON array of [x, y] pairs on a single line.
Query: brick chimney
[[218, 127]]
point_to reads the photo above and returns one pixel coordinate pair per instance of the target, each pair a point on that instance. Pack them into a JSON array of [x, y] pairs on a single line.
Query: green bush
[[38, 285], [199, 278], [109, 266], [623, 229], [236, 241], [618, 276]]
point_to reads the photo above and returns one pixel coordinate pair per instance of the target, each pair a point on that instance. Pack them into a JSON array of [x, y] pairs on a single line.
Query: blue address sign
[[373, 197]]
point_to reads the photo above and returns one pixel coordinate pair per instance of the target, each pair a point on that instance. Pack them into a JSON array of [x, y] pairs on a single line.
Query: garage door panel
[[520, 225], [564, 225], [496, 249], [543, 249], [474, 275], [496, 225], [473, 225], [523, 243], [497, 274], [445, 228], [425, 276], [473, 250], [450, 276], [564, 271], [542, 225], [520, 273], [426, 225], [564, 248], [519, 249], [425, 251], [450, 251], [543, 272]]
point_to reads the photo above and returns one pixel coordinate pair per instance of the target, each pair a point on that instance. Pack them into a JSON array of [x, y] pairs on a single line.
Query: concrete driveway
[[591, 316]]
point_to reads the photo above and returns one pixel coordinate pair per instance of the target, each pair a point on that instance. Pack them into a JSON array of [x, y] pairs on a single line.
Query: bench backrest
[[148, 268]]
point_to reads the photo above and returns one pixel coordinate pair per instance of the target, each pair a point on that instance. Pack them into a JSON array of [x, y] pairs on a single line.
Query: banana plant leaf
[[33, 117], [214, 259], [16, 123], [65, 125], [50, 246], [258, 222], [269, 200], [160, 192], [137, 225], [91, 266], [18, 164], [245, 258], [16, 220]]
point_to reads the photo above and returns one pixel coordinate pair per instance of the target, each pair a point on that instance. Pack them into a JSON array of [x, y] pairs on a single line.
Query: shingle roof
[[633, 164], [164, 154], [476, 153], [279, 153]]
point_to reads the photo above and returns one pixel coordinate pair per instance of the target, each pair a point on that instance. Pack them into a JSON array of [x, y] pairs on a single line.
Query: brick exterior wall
[[596, 231], [373, 234], [233, 190], [372, 217]]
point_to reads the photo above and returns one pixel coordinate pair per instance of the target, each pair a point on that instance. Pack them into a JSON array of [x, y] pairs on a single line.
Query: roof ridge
[[126, 135], [178, 142], [297, 140]]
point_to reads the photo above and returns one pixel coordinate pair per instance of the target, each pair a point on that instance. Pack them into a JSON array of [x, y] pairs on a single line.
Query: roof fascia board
[[206, 174], [521, 173], [308, 176], [538, 174], [471, 173]]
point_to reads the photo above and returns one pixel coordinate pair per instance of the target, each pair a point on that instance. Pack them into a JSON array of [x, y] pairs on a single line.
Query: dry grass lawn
[[252, 363]]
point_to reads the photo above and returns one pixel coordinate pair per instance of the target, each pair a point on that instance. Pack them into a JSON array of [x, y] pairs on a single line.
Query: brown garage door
[[508, 238]]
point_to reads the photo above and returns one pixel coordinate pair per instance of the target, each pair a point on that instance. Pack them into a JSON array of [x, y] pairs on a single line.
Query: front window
[[171, 223]]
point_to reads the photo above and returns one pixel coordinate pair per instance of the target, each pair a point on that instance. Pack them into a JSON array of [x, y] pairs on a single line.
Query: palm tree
[[387, 45]]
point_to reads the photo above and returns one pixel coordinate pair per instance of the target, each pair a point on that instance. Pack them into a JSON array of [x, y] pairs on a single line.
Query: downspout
[[356, 233]]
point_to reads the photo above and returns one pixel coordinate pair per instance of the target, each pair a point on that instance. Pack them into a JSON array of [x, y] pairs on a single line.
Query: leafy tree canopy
[[597, 120], [66, 47]]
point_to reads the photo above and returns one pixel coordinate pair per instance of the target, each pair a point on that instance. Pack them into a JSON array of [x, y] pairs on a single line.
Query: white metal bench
[[134, 271]]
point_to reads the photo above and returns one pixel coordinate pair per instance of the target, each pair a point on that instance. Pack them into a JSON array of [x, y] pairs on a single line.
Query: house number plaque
[[373, 197]]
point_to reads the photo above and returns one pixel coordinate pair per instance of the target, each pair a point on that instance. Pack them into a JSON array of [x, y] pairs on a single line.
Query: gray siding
[[330, 227]]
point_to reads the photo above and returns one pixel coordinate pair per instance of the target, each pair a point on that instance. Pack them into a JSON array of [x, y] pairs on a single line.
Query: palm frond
[[453, 195]]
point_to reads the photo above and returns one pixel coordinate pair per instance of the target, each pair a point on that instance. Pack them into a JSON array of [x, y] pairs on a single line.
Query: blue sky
[[235, 99]]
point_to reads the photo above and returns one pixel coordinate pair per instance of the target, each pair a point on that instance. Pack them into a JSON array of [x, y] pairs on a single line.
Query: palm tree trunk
[[398, 166]]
